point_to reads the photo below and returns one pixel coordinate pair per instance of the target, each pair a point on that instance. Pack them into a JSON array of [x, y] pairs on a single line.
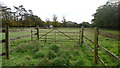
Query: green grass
[[111, 31], [56, 52]]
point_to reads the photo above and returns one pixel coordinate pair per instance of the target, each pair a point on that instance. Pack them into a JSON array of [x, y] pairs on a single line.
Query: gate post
[[31, 35], [95, 45], [81, 37], [37, 27], [7, 40]]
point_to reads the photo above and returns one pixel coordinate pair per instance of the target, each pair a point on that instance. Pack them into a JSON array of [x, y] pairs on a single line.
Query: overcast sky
[[73, 10]]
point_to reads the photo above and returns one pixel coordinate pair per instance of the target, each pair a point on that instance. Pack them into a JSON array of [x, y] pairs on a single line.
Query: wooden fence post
[[81, 37], [37, 27], [7, 40], [31, 35], [96, 45]]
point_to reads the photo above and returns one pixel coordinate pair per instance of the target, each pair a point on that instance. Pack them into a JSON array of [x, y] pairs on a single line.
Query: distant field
[[111, 31], [57, 50]]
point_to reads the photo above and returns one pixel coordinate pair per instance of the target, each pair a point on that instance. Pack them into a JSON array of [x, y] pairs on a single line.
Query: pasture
[[58, 48]]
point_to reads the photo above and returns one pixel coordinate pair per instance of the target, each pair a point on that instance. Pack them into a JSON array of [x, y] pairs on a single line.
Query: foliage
[[86, 24], [23, 17], [107, 16], [19, 17]]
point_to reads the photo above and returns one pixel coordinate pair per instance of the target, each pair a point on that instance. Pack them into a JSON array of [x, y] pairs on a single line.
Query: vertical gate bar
[[37, 27], [31, 35], [7, 41], [81, 37], [96, 45]]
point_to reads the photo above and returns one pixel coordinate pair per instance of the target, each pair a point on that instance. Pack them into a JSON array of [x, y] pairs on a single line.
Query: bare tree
[[64, 21], [55, 22]]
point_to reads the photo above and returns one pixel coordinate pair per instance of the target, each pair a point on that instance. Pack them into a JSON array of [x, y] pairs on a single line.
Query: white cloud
[[74, 10]]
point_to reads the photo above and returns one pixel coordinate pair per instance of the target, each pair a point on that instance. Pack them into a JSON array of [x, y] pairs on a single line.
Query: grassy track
[[57, 53]]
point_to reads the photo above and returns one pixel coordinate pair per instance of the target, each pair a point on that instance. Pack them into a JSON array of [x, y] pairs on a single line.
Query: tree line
[[19, 17], [108, 15], [63, 23], [23, 17]]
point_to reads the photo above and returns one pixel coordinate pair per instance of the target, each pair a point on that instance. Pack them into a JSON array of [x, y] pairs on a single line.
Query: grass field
[[57, 50], [111, 31]]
